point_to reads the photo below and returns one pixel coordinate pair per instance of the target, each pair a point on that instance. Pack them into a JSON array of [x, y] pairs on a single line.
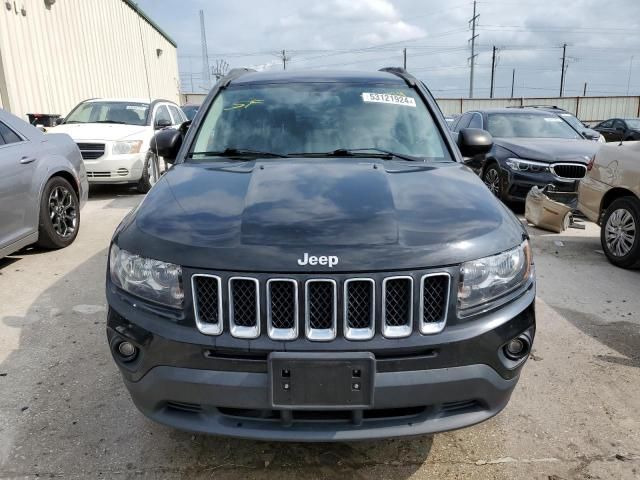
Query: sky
[[602, 37]]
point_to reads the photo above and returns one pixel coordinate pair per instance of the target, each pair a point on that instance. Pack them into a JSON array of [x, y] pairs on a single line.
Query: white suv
[[114, 134]]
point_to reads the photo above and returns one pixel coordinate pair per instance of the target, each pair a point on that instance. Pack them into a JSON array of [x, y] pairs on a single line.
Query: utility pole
[[513, 81], [472, 59], [205, 54], [493, 71], [404, 58], [584, 92], [284, 59], [564, 61], [630, 69]]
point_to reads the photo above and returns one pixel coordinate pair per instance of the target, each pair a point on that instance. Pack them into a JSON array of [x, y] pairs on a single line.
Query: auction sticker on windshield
[[388, 98]]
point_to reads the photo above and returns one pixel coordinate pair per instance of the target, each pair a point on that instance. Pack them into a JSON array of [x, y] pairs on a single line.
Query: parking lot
[[64, 411]]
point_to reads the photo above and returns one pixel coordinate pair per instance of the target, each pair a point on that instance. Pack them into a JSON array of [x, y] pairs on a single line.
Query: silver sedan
[[43, 186]]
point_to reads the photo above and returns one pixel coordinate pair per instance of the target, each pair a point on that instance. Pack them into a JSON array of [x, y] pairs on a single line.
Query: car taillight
[[590, 164]]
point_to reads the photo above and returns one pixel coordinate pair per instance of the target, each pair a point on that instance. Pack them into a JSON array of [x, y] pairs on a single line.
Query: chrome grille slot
[[320, 309], [397, 307], [434, 302], [359, 308], [207, 300], [244, 307], [569, 170], [282, 308], [91, 151]]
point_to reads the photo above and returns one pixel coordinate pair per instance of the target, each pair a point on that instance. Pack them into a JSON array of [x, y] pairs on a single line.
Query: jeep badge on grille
[[307, 259]]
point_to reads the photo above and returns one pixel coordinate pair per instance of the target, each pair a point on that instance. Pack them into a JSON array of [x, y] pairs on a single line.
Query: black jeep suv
[[318, 265]]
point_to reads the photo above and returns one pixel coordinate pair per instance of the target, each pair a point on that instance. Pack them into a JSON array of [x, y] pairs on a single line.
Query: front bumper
[[516, 185], [115, 169], [446, 381]]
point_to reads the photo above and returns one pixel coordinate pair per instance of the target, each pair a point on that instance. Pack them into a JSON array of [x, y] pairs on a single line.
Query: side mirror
[[166, 144], [474, 141], [58, 121], [162, 123]]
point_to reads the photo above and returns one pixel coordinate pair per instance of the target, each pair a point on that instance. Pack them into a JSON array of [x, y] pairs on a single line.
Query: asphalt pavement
[[65, 413]]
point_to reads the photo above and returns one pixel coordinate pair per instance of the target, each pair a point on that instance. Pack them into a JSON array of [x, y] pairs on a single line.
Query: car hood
[[550, 149], [101, 131], [371, 214]]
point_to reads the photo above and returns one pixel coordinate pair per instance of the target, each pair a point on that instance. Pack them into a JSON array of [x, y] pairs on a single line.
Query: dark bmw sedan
[[319, 265], [531, 148]]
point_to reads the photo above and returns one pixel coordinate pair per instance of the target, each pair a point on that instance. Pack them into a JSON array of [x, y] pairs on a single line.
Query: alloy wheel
[[492, 180], [63, 212], [620, 232]]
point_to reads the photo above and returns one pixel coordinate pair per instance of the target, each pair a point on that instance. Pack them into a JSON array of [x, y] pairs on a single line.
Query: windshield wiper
[[109, 121], [238, 152], [361, 152]]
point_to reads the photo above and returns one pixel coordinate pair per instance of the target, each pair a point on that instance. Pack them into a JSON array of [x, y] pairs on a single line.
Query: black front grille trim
[[397, 306], [244, 307], [282, 308], [359, 308], [91, 151], [434, 302], [321, 309], [207, 301], [574, 171]]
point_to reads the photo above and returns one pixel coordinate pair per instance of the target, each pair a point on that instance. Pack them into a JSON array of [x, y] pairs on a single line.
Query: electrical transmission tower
[[219, 69], [205, 54], [472, 59]]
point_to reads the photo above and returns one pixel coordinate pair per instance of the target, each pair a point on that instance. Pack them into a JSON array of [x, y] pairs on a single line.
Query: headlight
[[153, 280], [519, 165], [125, 148], [489, 278]]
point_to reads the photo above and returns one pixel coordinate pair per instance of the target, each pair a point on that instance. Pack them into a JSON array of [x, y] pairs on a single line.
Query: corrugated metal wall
[[587, 109], [53, 58]]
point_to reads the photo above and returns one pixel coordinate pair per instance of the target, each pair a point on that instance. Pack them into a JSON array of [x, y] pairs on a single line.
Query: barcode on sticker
[[388, 98]]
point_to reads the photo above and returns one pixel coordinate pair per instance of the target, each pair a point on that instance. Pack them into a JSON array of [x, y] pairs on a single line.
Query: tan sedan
[[610, 195]]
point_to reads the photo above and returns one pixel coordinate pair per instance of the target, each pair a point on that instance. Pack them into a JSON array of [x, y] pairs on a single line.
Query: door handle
[[26, 160]]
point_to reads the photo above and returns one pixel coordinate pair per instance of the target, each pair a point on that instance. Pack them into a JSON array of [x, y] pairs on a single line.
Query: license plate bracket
[[318, 381]]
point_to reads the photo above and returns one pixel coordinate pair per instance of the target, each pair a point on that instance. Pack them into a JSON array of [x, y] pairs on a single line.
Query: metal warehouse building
[[56, 53]]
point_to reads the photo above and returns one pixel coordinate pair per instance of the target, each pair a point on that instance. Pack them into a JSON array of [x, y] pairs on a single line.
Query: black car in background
[[531, 148], [619, 129]]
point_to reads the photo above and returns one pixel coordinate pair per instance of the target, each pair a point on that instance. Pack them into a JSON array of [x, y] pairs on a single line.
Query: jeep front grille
[[310, 305], [244, 307]]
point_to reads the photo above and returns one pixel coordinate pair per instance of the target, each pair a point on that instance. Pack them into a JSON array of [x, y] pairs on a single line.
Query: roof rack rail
[[233, 74], [402, 73]]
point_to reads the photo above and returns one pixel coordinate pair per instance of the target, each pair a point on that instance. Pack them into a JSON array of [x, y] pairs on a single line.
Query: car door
[[619, 130], [17, 164], [606, 129]]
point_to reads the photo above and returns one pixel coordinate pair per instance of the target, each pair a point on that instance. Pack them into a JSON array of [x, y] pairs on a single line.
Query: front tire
[[620, 232], [59, 215], [150, 173], [491, 178]]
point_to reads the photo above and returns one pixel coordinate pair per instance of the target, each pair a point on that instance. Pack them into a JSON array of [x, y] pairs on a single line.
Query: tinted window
[[463, 122], [606, 124], [176, 114], [130, 113], [476, 121], [633, 123], [529, 125], [316, 118], [573, 121], [8, 135], [618, 124], [162, 113]]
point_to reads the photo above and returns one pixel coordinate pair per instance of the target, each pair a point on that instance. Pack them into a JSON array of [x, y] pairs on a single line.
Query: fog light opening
[[517, 348], [127, 350]]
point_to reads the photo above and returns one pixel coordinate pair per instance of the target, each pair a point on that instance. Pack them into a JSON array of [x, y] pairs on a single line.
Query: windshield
[[308, 118], [529, 125], [573, 121], [130, 113], [633, 123]]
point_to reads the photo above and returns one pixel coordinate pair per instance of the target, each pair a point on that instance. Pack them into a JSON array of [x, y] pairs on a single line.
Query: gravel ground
[[64, 411]]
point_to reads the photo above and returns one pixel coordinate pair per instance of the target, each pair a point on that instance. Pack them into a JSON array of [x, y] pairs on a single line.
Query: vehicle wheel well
[[612, 195], [487, 164], [69, 178]]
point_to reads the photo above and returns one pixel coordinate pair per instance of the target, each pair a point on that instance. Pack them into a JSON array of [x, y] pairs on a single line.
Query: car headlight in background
[[489, 278], [153, 280], [125, 148], [519, 165]]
